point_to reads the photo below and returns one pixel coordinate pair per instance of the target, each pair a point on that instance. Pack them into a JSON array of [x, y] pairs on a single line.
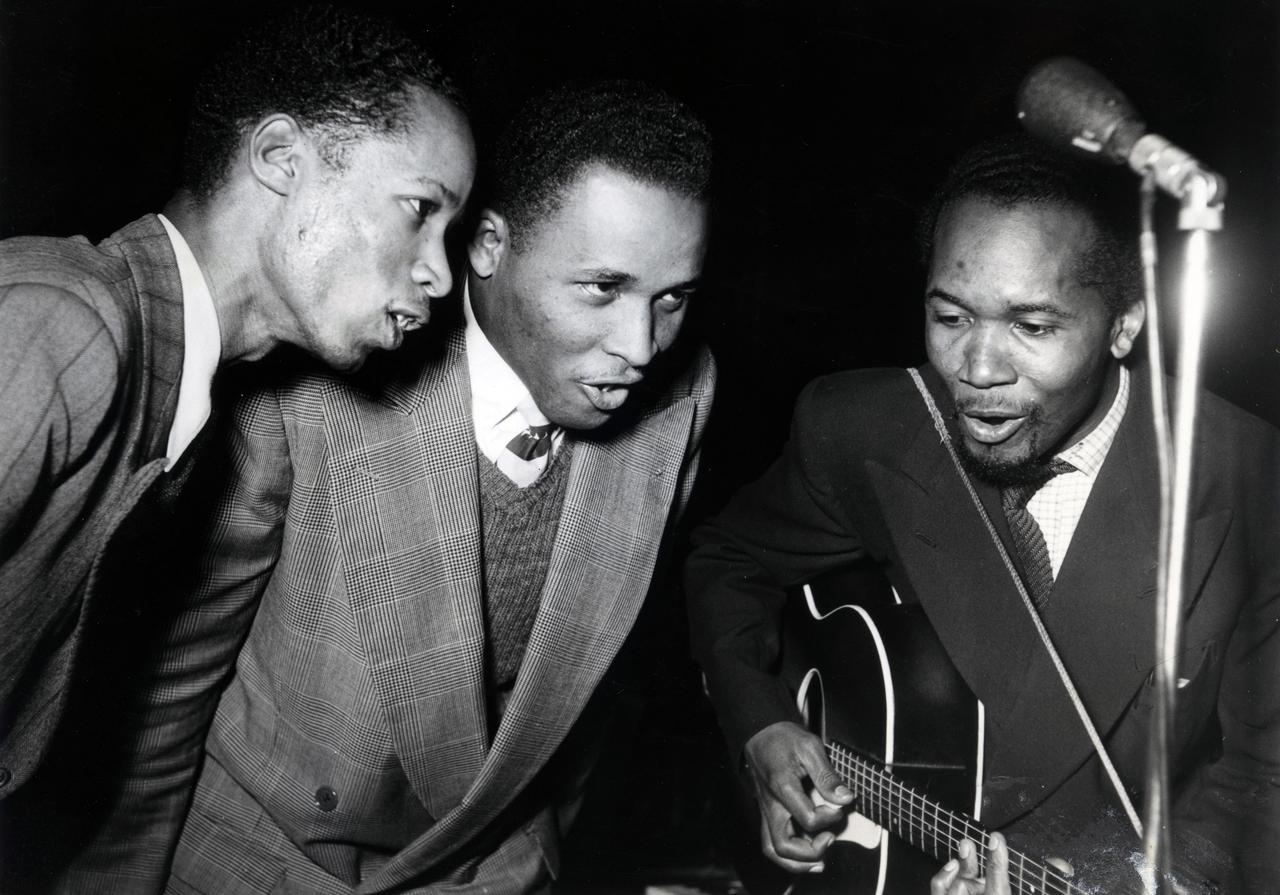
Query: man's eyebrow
[[606, 275], [935, 292], [448, 193], [1031, 307], [687, 285], [1043, 308]]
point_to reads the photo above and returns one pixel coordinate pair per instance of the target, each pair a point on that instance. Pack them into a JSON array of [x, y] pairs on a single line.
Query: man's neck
[[224, 242], [1106, 397]]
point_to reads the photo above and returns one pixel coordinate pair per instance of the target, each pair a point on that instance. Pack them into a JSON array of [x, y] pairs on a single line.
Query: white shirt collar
[[201, 349], [495, 387], [496, 390]]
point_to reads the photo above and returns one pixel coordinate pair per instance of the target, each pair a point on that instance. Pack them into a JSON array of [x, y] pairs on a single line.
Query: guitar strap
[[1058, 665]]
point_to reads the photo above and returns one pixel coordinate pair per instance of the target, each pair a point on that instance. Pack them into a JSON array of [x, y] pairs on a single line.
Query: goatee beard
[[1033, 469]]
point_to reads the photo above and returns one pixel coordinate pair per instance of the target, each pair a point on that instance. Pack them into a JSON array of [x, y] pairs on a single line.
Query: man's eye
[[423, 208], [1035, 329], [604, 289], [948, 319], [674, 301]]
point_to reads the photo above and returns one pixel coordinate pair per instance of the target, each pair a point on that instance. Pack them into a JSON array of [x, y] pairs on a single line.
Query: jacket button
[[5, 776], [326, 798]]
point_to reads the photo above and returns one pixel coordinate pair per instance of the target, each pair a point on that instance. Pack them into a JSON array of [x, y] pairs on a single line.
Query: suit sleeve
[[1228, 817], [236, 547], [59, 377], [777, 533]]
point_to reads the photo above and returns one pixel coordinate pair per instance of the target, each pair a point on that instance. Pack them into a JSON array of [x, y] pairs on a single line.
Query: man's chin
[[347, 360], [583, 417], [581, 420], [1002, 468]]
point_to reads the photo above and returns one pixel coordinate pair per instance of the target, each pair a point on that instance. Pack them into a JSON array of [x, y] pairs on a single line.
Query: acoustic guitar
[[904, 731]]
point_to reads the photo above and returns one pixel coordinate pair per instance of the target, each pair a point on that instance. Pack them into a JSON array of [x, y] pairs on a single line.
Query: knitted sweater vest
[[518, 529]]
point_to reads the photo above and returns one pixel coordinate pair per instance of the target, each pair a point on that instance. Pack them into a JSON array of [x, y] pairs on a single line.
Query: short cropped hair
[[340, 73], [625, 125], [1014, 170]]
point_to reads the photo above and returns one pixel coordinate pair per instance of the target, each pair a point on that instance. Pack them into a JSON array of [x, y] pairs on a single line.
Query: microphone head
[[1071, 106]]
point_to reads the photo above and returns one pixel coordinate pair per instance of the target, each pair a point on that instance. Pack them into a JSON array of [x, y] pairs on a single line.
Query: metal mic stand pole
[[1200, 215]]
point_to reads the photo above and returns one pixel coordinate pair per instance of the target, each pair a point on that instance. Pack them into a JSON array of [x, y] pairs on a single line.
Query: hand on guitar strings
[[965, 877], [790, 771]]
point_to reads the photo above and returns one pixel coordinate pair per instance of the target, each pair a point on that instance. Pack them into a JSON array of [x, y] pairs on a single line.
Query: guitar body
[[874, 677]]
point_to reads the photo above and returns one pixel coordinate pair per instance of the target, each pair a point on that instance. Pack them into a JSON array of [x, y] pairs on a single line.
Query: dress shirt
[[496, 392], [1060, 501], [201, 349]]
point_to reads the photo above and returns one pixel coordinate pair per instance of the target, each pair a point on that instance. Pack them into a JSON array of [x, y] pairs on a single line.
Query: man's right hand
[[787, 764]]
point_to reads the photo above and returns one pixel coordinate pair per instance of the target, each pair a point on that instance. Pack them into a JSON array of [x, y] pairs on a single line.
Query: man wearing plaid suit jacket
[[428, 631], [308, 216]]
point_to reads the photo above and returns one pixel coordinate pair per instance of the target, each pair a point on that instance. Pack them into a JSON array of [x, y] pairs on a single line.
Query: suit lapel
[[953, 565], [1100, 616], [611, 525], [407, 512], [145, 246], [1102, 611], [1100, 619]]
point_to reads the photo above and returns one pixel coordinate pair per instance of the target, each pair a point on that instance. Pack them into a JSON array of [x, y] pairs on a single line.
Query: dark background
[[833, 121]]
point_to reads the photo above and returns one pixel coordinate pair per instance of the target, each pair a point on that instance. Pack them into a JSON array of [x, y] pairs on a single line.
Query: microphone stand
[[1201, 214]]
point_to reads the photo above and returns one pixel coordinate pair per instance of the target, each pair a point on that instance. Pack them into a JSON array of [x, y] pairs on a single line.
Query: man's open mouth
[[990, 428]]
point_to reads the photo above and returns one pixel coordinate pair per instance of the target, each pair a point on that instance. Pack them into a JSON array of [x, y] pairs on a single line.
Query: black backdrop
[[833, 120]]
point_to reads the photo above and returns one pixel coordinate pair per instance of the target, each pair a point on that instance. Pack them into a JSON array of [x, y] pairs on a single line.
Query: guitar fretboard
[[925, 824]]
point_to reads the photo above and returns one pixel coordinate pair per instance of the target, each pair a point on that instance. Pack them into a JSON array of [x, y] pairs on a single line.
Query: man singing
[[1031, 314]]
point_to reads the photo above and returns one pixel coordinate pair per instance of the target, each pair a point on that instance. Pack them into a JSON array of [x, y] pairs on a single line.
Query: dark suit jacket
[[352, 749], [866, 477], [90, 359]]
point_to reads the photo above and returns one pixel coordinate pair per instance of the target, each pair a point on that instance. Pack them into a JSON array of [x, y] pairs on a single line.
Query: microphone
[[1070, 105]]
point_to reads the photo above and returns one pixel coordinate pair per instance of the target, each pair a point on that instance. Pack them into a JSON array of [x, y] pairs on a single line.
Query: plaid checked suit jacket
[[90, 359], [351, 749]]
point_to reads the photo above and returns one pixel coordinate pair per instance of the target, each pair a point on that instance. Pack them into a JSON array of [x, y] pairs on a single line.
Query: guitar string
[[880, 788], [884, 804], [880, 781]]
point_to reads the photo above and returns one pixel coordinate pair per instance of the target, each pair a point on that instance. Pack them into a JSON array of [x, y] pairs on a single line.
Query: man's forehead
[[1029, 257], [1052, 225], [605, 209], [432, 150], [604, 185]]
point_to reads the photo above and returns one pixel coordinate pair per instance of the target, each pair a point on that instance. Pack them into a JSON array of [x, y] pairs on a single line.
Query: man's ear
[[276, 147], [489, 244], [1125, 329]]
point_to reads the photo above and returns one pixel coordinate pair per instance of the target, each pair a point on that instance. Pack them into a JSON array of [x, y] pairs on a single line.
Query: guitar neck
[[925, 824]]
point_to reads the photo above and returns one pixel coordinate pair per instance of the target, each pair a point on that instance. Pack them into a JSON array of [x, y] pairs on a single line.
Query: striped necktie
[[526, 455], [1028, 539]]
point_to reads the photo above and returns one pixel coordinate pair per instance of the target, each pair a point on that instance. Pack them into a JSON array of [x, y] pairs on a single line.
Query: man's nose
[[986, 359], [431, 269], [632, 335]]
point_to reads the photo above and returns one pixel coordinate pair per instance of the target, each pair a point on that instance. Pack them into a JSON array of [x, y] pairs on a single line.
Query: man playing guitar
[[1012, 477]]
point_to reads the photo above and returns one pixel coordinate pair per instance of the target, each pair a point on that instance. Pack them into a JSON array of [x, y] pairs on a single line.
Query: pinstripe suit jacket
[[90, 358], [351, 749]]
